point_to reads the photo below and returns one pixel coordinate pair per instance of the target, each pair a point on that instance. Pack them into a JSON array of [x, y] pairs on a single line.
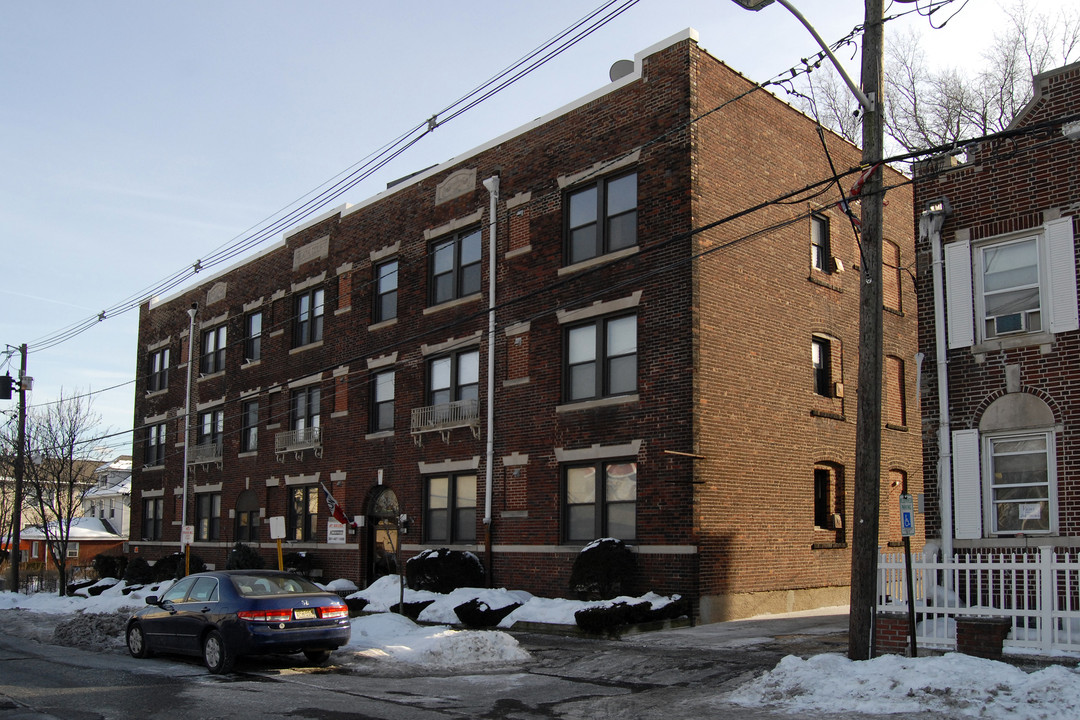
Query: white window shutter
[[967, 486], [1061, 257], [959, 303]]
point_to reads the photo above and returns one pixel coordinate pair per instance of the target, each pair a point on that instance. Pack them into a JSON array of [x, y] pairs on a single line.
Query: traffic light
[[7, 384]]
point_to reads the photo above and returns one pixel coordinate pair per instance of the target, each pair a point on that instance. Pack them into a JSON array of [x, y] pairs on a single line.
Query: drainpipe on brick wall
[[492, 186], [930, 227], [187, 416]]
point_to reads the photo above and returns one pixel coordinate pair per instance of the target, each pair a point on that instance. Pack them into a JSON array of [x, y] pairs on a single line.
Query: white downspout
[[930, 227], [187, 416], [492, 186]]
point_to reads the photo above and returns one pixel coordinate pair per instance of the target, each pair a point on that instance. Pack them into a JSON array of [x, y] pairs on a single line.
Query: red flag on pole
[[335, 508]]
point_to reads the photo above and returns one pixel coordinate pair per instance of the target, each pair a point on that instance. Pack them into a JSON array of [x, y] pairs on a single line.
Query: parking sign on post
[[907, 515]]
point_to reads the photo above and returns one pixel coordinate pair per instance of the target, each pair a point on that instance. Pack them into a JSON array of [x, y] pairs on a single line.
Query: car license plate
[[304, 614]]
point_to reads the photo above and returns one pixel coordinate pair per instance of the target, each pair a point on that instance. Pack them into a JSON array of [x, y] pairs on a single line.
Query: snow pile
[[954, 685], [383, 594], [392, 636]]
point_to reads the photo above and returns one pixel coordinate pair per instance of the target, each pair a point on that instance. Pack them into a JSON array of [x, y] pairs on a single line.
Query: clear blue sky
[[138, 137]]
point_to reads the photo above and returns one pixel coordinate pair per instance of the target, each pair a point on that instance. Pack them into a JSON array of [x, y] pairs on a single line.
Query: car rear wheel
[[216, 654], [136, 641], [317, 657]]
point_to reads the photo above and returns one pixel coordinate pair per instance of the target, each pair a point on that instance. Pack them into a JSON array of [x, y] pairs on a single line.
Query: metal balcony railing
[[297, 441], [444, 418], [205, 453]]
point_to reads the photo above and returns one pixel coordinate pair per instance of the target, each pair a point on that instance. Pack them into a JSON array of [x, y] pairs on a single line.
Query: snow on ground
[[953, 685]]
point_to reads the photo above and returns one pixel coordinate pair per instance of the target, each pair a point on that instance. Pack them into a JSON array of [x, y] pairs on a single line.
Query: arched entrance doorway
[[382, 535]]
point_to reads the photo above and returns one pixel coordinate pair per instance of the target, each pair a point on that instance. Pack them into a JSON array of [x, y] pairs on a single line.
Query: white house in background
[[109, 500]]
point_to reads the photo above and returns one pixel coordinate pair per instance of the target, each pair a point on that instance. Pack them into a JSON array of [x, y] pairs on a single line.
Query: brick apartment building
[[689, 390], [999, 229]]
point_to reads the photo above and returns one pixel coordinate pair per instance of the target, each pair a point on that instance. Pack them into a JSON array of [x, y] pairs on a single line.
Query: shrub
[[244, 557], [138, 572], [172, 566], [109, 566], [411, 610], [444, 571], [299, 562], [476, 613], [603, 570]]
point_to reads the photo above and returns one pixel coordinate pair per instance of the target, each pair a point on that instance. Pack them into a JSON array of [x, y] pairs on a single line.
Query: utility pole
[[867, 499], [14, 553]]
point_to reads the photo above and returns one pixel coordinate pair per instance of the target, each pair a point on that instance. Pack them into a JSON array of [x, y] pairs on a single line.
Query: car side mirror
[[153, 600]]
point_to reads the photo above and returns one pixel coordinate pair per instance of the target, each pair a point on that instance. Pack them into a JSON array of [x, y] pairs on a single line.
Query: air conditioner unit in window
[[1006, 324]]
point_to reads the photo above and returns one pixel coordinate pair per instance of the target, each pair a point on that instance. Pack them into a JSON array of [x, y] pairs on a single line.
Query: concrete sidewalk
[[807, 633]]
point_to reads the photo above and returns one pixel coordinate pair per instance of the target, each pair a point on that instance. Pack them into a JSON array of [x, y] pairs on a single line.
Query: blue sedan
[[224, 615]]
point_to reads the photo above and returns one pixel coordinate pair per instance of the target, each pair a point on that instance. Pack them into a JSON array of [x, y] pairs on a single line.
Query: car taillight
[[333, 612], [277, 616]]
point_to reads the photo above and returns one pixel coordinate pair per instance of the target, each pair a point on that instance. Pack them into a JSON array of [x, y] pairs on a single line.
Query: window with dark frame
[[450, 508], [386, 291], [158, 378], [820, 253], [153, 508], [253, 336], [823, 505], [211, 428], [454, 377], [154, 450], [821, 357], [601, 358], [600, 500], [308, 317], [601, 218], [208, 517], [249, 426], [303, 513], [247, 517], [454, 267], [304, 410], [382, 394], [212, 359]]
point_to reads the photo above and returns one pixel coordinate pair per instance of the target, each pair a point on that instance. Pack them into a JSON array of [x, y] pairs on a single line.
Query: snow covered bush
[[604, 569], [444, 570]]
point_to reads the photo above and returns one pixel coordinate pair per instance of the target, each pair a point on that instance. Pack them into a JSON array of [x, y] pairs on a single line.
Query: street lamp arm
[[755, 5]]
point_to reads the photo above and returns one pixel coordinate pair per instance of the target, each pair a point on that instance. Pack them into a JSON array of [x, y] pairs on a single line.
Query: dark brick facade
[[725, 426], [1007, 187]]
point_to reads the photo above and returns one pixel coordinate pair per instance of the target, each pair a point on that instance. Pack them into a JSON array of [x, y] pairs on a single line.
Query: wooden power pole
[[867, 499]]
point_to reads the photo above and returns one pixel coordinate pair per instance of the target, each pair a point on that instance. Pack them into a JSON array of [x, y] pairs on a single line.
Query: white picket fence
[[1038, 589]]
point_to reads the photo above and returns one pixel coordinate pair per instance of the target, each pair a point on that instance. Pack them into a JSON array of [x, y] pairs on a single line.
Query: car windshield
[[256, 585]]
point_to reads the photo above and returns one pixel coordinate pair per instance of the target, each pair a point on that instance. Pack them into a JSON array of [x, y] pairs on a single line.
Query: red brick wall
[[723, 348], [1005, 186]]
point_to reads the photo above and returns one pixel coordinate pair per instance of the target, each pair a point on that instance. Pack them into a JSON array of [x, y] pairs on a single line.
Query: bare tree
[[927, 107], [61, 457]]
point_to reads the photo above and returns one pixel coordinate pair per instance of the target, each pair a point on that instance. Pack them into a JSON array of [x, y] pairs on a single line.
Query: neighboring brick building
[[1008, 467], [689, 392]]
